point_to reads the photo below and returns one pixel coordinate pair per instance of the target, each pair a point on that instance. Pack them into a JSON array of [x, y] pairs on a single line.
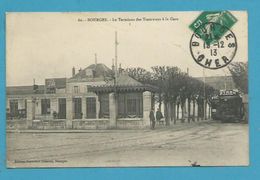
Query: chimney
[[120, 69], [35, 87], [73, 71], [113, 66]]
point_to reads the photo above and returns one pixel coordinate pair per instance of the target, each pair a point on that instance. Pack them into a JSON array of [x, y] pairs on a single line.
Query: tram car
[[227, 106]]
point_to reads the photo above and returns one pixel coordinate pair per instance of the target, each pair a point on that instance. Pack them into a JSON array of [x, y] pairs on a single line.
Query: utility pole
[[115, 80], [33, 100], [95, 58], [225, 81], [225, 85], [116, 70], [204, 94]]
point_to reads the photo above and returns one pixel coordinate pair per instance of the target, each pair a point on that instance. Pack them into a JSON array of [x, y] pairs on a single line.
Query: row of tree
[[239, 72], [175, 87]]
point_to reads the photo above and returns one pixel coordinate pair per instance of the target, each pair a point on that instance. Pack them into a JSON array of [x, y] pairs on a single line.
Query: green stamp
[[205, 27]]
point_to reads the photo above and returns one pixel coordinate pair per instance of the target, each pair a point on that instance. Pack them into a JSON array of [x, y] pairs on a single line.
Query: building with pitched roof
[[92, 98]]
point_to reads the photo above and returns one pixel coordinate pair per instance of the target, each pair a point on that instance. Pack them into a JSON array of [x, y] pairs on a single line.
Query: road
[[208, 143]]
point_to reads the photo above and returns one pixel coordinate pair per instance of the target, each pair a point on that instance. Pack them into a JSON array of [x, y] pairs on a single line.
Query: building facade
[[93, 98]]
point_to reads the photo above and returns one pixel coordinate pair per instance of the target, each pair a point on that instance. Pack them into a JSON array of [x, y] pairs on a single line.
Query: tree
[[140, 74], [166, 78], [239, 72], [191, 93], [148, 77], [174, 88]]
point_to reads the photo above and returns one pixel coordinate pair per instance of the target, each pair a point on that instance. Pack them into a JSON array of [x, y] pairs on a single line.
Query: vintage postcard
[[127, 89]]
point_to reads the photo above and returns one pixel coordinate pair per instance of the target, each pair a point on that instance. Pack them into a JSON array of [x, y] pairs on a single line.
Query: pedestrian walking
[[159, 116], [152, 118]]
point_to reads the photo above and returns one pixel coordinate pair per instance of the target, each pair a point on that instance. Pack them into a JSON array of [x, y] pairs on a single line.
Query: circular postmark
[[213, 45]]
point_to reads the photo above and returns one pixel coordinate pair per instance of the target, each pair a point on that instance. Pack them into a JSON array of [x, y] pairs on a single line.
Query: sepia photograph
[[127, 89]]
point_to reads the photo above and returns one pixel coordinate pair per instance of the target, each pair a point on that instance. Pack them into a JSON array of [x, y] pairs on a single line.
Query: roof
[[99, 70], [124, 83], [125, 80], [23, 90]]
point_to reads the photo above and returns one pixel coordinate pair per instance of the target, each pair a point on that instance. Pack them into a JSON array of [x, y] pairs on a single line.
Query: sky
[[48, 45]]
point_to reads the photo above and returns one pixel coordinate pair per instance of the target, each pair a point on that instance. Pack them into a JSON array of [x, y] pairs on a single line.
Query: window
[[134, 105], [104, 106], [46, 106], [77, 108], [62, 108], [121, 105], [76, 89], [130, 105], [14, 108], [25, 108], [91, 107]]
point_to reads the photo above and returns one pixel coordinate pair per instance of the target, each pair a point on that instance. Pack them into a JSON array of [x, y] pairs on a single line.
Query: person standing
[[159, 116], [152, 119]]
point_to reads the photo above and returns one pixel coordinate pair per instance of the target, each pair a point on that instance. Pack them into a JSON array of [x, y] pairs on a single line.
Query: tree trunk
[[160, 102], [198, 111], [171, 106], [178, 107], [209, 112], [170, 112], [182, 112], [166, 113], [189, 110], [174, 112], [193, 108], [205, 110]]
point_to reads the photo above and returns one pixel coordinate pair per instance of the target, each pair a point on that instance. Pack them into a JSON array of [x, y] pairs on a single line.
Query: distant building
[[219, 82], [91, 98]]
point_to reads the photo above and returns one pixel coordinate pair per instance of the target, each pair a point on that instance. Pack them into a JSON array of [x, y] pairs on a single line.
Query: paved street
[[209, 143]]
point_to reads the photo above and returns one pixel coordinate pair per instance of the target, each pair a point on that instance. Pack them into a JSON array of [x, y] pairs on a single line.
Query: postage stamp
[[213, 45], [203, 23]]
